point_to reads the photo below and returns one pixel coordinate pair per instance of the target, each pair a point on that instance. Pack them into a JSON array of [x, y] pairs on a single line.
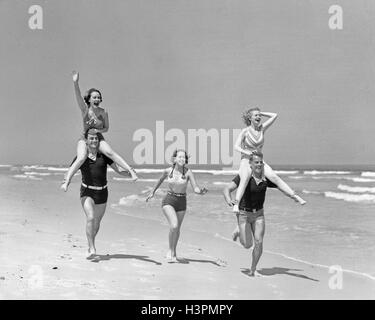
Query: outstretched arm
[[162, 178], [227, 193], [81, 103], [237, 145], [272, 117], [194, 184], [124, 173]]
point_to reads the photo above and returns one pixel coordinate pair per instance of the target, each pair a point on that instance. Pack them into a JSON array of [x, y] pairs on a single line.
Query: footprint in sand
[[89, 284], [74, 241], [275, 290], [75, 246], [66, 256]]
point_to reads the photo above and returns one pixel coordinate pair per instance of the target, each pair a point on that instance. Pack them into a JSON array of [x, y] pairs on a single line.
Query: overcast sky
[[193, 64]]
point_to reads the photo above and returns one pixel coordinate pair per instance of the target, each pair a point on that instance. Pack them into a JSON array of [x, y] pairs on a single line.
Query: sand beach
[[43, 246]]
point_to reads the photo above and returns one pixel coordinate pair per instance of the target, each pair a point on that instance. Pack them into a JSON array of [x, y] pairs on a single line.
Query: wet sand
[[43, 247]]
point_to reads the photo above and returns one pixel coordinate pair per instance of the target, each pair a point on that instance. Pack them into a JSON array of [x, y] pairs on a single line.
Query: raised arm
[[227, 193], [237, 145], [158, 184], [272, 117], [194, 184], [81, 103]]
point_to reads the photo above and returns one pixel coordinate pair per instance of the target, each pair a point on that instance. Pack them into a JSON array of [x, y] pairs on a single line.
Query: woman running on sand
[[252, 139], [174, 203], [93, 116]]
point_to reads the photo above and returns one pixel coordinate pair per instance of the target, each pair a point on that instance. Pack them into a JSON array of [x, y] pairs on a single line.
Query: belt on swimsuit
[[177, 194], [94, 187], [254, 210]]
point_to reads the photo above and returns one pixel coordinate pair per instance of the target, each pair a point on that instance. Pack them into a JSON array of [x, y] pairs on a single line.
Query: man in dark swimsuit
[[94, 191], [250, 219]]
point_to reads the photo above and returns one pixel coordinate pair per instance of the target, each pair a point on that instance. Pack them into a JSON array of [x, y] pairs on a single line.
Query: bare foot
[[91, 253], [170, 258], [173, 260], [254, 273], [181, 260]]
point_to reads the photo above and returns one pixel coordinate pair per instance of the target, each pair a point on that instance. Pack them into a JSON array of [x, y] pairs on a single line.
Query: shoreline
[[43, 246]]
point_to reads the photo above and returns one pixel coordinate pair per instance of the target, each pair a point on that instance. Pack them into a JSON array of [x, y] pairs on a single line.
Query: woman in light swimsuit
[[250, 139], [93, 117], [174, 203]]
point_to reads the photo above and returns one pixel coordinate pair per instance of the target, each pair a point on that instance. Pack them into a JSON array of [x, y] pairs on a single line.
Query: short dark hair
[[87, 95], [90, 131]]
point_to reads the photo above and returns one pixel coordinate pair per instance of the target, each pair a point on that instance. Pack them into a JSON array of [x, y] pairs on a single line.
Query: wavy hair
[[87, 95], [246, 116], [173, 157]]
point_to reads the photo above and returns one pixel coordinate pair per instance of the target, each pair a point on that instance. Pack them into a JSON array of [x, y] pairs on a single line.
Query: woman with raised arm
[[174, 203], [250, 139], [95, 117]]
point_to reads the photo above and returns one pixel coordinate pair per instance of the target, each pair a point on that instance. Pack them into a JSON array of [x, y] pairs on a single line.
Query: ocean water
[[336, 226]]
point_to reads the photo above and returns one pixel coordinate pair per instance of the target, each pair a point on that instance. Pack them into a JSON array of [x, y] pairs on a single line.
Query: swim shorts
[[99, 196], [249, 217], [176, 200]]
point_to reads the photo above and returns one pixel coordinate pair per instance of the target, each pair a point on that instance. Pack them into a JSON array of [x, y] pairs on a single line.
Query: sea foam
[[350, 197], [368, 174], [317, 172], [355, 189]]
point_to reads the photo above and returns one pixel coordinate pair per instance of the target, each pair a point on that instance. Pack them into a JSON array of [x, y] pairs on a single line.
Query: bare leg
[[258, 227], [235, 233], [245, 174], [245, 232], [81, 157], [180, 219], [105, 148], [282, 186], [94, 214], [173, 222]]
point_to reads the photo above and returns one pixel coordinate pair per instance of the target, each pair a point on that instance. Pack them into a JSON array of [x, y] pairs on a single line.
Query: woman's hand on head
[[91, 121]]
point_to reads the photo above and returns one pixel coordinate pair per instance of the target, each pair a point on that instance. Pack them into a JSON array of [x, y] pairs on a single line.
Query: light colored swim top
[[176, 183], [98, 117], [251, 142]]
